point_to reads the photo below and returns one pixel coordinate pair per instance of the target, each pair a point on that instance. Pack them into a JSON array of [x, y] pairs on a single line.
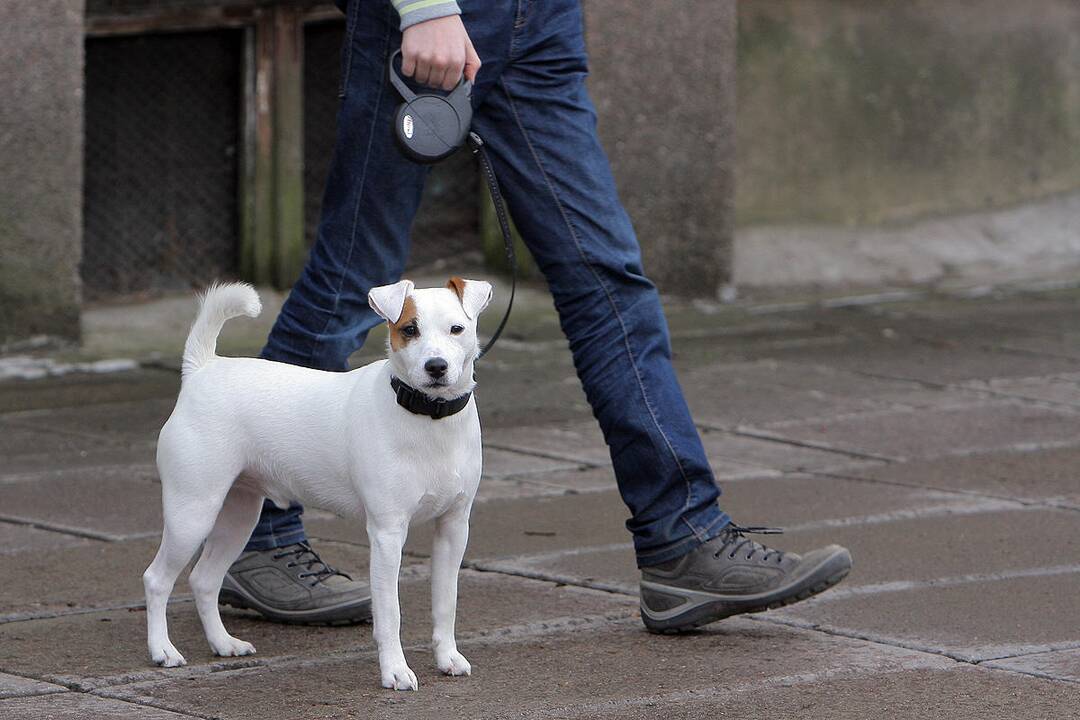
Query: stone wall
[[863, 124], [663, 81], [41, 65]]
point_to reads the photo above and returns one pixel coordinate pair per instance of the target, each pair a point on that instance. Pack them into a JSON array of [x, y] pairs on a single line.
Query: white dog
[[396, 441]]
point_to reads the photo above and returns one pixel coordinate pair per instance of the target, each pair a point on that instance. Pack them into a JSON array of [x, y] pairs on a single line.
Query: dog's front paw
[[453, 663], [167, 656], [232, 647], [399, 677]]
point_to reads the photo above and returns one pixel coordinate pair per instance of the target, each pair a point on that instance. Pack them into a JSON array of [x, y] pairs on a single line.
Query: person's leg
[[540, 128], [696, 565], [372, 194]]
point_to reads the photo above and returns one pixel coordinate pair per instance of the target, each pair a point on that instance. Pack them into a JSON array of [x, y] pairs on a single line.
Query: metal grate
[[160, 189]]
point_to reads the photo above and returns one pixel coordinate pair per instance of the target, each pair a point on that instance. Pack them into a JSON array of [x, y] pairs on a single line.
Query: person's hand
[[436, 53]]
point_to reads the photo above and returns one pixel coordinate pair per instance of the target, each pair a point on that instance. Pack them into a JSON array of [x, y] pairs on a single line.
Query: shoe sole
[[710, 607], [345, 614]]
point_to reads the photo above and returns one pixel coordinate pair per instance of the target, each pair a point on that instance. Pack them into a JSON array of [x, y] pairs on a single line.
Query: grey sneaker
[[293, 585], [731, 574]]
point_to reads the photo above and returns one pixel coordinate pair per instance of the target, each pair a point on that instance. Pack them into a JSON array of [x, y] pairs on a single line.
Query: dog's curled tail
[[220, 302]]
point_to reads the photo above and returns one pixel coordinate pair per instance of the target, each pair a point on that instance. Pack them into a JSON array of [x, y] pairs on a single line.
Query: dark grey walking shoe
[[731, 574], [293, 585]]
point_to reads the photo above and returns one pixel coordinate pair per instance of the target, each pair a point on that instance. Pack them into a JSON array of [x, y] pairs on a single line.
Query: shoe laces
[[304, 554], [733, 539]]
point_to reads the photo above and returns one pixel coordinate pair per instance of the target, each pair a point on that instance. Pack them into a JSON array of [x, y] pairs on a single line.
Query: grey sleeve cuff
[[417, 11]]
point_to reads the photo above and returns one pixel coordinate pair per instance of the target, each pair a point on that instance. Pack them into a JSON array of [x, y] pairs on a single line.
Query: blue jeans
[[539, 125]]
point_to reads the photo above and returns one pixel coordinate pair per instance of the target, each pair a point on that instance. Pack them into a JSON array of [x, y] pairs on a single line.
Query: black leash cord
[[477, 146]]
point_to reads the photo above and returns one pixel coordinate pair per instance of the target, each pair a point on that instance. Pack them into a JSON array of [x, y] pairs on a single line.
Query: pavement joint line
[[588, 464], [890, 586], [504, 568], [758, 434], [1056, 502], [976, 507], [65, 432], [33, 475], [63, 529], [56, 614], [970, 655], [996, 665]]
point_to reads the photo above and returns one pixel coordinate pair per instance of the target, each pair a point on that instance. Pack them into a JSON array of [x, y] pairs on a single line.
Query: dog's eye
[[410, 331], [456, 330]]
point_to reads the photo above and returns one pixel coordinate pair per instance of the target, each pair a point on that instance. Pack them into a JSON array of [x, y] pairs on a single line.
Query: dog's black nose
[[436, 367]]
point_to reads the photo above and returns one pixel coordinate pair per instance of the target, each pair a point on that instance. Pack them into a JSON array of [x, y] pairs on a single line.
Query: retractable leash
[[430, 128]]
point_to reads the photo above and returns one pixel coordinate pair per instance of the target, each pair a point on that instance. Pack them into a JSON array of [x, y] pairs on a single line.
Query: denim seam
[[607, 292], [350, 33], [321, 336]]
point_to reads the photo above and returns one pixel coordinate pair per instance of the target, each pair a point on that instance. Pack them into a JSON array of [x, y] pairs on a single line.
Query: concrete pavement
[[937, 437]]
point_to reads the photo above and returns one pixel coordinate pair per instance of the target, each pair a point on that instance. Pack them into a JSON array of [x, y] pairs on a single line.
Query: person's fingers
[[472, 61], [408, 63], [453, 74], [438, 72], [423, 69]]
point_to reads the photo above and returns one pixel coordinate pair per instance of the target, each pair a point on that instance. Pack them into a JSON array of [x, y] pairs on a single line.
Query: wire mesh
[[163, 131], [160, 186]]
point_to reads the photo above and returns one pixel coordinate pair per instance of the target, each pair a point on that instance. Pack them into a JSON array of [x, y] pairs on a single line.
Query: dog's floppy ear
[[388, 300], [473, 294]]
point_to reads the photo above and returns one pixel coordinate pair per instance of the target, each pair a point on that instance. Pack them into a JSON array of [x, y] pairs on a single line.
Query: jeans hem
[[274, 540], [665, 553]]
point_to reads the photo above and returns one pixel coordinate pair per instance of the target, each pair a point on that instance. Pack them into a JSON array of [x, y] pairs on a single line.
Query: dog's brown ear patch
[[408, 317], [458, 286]]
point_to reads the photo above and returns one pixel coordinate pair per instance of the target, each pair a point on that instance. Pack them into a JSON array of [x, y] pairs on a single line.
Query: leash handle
[[477, 146]]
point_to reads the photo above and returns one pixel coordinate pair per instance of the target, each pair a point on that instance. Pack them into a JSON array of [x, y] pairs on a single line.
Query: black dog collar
[[417, 402]]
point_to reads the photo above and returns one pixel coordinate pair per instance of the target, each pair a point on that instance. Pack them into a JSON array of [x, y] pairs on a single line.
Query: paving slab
[[884, 549], [130, 421], [500, 528], [539, 387], [15, 538], [1057, 665], [940, 363], [24, 450], [110, 646], [80, 389], [973, 621], [96, 574], [724, 449], [730, 394], [979, 427], [80, 706], [959, 694], [949, 546], [15, 686], [500, 463], [590, 665], [113, 501], [1051, 475]]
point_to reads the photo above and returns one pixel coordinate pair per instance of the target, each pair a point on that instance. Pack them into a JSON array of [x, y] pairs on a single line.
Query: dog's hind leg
[[451, 535], [235, 521], [187, 523]]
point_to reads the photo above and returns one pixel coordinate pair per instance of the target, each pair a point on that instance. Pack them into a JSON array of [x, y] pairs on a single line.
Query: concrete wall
[[41, 51], [889, 142], [663, 80]]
